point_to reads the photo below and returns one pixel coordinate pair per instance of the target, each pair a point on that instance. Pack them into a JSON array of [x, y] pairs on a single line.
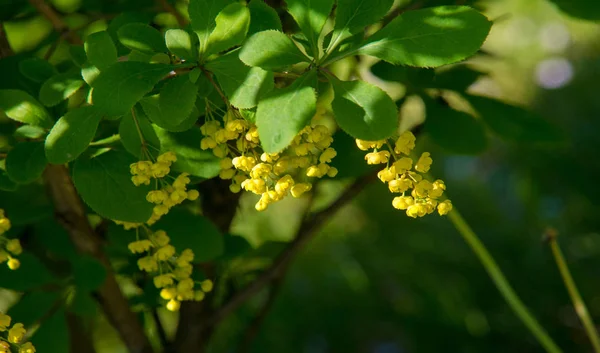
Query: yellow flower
[[140, 179], [164, 253], [332, 172], [173, 305], [416, 210], [193, 195], [405, 143], [206, 285], [13, 263], [402, 202], [208, 143], [299, 189], [327, 155], [16, 333], [4, 321], [160, 238], [168, 293], [187, 255], [403, 164], [387, 174], [438, 189], [167, 157], [366, 145], [424, 163], [423, 188], [185, 285], [163, 280], [14, 246], [444, 207], [377, 157], [27, 348], [400, 185], [148, 264], [140, 246], [199, 296]]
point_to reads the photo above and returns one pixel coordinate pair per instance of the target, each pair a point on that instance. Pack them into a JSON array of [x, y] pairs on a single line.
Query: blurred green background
[[376, 281]]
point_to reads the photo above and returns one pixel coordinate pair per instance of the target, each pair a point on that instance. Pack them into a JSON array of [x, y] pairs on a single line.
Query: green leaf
[[352, 16], [88, 273], [243, 85], [585, 9], [190, 158], [36, 69], [311, 16], [53, 334], [104, 183], [162, 118], [235, 246], [26, 205], [363, 110], [514, 123], [456, 78], [182, 44], [89, 73], [72, 134], [271, 50], [130, 130], [262, 17], [231, 27], [29, 132], [122, 20], [118, 88], [60, 87], [455, 131], [26, 162], [141, 37], [100, 49], [429, 37], [33, 306], [283, 113], [412, 77], [20, 106], [78, 55], [203, 14], [177, 97], [195, 232], [6, 184]]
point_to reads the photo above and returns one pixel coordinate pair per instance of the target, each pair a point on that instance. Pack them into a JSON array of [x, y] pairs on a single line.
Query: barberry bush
[[134, 131]]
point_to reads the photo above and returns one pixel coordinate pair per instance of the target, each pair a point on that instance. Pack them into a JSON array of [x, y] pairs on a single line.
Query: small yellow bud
[[163, 280], [444, 207], [193, 195], [424, 163], [173, 305], [14, 246], [168, 293], [206, 285], [13, 263], [299, 189], [16, 333]]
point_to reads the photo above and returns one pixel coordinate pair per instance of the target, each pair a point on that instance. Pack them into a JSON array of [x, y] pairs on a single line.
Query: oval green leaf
[[100, 49], [363, 110], [231, 27], [104, 183], [182, 44], [141, 37], [430, 37], [271, 50], [60, 87], [177, 97], [130, 130], [72, 134], [20, 106], [26, 162]]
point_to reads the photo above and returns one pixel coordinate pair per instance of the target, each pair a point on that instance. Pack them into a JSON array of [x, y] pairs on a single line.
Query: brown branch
[[71, 213], [172, 10], [307, 230], [79, 335], [59, 25]]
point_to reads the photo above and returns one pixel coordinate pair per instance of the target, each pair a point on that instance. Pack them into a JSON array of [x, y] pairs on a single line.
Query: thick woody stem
[[71, 213]]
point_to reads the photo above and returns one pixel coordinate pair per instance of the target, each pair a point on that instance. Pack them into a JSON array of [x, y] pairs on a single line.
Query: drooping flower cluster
[[13, 336], [8, 247], [402, 176], [270, 175], [172, 272], [168, 195]]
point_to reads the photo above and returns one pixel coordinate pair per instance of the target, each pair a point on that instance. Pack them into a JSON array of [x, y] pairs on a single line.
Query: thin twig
[[5, 49], [578, 303], [308, 228], [502, 284], [57, 23]]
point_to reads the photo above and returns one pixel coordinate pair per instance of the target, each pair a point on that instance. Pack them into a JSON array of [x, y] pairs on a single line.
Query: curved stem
[[578, 302], [502, 283]]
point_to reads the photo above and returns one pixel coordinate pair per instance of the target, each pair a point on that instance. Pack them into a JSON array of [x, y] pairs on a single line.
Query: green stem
[[106, 141], [501, 283], [578, 302]]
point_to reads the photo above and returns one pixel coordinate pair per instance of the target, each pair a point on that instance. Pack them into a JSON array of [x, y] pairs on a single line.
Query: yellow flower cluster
[[270, 175], [13, 337], [9, 247], [400, 177], [172, 272], [168, 195]]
